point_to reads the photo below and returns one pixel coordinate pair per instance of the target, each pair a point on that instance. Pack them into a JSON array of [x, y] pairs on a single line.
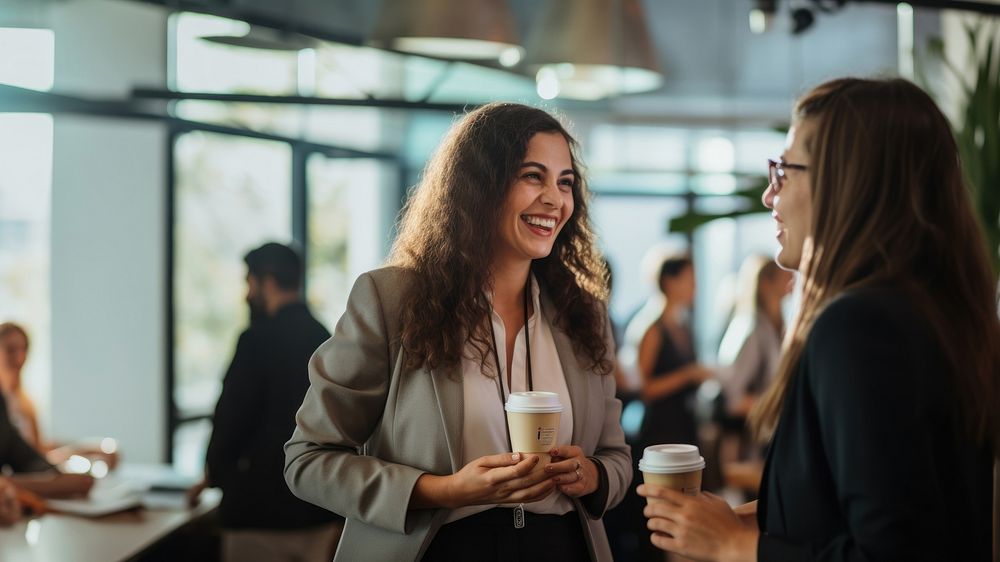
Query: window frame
[[299, 193]]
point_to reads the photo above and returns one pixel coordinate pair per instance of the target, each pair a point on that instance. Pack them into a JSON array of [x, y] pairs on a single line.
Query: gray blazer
[[368, 428]]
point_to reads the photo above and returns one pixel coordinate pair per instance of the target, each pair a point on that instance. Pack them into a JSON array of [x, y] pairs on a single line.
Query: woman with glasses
[[883, 417], [494, 286]]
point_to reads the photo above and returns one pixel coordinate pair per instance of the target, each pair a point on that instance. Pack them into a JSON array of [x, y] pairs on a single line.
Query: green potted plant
[[977, 132], [749, 203], [977, 126]]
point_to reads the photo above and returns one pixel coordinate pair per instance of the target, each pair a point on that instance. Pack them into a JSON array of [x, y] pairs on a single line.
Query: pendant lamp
[[258, 37], [452, 29], [592, 49]]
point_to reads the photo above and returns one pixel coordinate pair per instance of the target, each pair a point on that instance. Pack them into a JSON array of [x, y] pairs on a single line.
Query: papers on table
[[128, 487], [106, 497]]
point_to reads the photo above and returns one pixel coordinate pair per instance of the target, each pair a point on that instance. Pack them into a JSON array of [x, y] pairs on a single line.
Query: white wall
[[108, 233], [105, 47]]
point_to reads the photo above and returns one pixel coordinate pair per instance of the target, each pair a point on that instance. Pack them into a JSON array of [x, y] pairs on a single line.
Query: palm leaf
[[691, 221], [978, 133]]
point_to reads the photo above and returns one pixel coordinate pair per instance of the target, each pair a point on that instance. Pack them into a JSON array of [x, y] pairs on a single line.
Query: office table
[[55, 537]]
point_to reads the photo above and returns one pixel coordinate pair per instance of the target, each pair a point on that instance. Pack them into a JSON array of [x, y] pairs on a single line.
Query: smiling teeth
[[538, 221]]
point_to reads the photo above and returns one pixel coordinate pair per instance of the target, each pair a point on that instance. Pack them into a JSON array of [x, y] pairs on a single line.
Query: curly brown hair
[[449, 226]]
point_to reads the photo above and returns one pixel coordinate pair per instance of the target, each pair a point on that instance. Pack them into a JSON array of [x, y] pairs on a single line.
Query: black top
[[255, 415], [15, 452], [867, 462], [671, 419]]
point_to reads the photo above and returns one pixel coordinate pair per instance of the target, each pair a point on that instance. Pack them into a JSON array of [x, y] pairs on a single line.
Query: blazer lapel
[[450, 397], [576, 381]]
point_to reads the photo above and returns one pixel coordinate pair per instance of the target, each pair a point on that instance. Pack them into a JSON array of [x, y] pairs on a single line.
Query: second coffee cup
[[673, 466], [533, 418]]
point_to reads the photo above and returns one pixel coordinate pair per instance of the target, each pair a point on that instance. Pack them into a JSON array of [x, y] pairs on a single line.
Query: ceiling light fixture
[[465, 30], [593, 49], [257, 37], [762, 16]]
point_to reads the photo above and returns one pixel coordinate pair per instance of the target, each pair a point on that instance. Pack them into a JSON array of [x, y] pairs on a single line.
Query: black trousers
[[491, 536]]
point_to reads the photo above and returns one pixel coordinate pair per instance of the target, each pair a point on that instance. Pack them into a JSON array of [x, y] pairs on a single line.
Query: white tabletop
[[120, 536]]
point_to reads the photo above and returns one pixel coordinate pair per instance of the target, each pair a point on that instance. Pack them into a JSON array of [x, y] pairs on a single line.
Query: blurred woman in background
[[20, 406], [668, 364], [23, 414], [750, 349]]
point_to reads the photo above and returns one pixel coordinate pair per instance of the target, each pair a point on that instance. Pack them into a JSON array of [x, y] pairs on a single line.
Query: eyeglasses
[[776, 172]]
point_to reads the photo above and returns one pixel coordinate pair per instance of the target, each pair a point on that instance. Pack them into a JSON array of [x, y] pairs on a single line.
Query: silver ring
[[579, 476]]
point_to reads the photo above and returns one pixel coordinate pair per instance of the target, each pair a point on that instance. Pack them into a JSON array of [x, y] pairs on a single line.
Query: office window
[[346, 236], [232, 193], [25, 215], [28, 61]]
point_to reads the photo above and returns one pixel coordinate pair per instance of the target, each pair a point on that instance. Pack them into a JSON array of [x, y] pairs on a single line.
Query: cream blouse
[[484, 430]]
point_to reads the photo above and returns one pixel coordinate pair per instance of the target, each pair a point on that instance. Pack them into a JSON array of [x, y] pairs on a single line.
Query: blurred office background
[[145, 146]]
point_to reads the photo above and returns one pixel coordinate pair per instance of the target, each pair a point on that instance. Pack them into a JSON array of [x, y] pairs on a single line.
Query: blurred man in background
[[255, 415]]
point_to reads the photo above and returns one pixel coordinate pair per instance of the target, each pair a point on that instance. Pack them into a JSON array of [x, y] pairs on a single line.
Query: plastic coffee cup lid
[[671, 459], [533, 402]]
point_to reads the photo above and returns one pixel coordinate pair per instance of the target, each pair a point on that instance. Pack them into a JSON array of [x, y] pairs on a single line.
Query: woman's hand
[[54, 484], [702, 526], [747, 513], [494, 479], [10, 507], [193, 494], [698, 373], [575, 474]]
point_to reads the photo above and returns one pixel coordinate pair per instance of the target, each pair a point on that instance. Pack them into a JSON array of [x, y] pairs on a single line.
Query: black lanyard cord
[[527, 351]]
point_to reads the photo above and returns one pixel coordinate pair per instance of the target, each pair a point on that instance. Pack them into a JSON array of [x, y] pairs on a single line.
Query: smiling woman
[[791, 206], [539, 203], [494, 287]]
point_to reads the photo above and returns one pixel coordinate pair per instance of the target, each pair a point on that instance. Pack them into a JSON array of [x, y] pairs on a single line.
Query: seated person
[[27, 469], [751, 349], [21, 408]]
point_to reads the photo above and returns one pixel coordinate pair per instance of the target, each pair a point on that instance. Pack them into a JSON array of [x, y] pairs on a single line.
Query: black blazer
[[867, 462], [263, 389], [15, 453]]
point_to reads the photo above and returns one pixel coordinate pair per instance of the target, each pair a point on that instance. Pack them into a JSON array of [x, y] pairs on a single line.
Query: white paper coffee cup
[[675, 466], [533, 418]]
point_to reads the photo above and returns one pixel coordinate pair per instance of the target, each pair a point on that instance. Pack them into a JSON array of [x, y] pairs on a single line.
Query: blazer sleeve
[[349, 380], [874, 390], [15, 453], [613, 455]]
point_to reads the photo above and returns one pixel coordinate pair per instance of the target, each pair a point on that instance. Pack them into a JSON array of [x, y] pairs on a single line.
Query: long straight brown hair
[[890, 206]]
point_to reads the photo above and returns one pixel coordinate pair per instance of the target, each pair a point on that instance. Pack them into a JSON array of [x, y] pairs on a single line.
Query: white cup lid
[[533, 402], [671, 459]]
